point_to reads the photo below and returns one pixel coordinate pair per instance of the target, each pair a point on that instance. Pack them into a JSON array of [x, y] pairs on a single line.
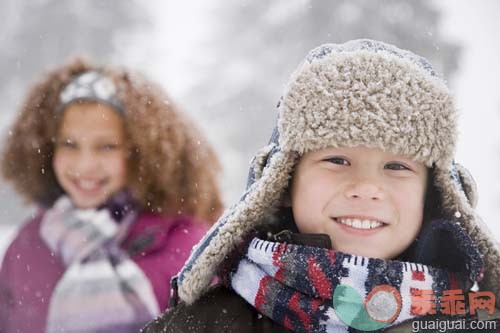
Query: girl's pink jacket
[[29, 273]]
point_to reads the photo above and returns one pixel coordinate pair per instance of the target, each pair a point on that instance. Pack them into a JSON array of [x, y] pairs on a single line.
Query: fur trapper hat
[[361, 93]]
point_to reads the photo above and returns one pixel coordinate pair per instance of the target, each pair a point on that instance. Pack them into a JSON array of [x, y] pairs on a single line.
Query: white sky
[[477, 92], [172, 51]]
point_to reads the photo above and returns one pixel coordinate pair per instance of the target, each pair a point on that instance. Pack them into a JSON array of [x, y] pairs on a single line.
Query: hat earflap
[[465, 183], [262, 158], [259, 162]]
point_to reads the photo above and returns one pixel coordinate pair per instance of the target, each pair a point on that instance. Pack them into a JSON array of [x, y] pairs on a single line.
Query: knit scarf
[[101, 289], [312, 289]]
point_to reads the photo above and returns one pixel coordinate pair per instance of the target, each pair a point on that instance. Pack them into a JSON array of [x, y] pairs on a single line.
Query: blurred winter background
[[226, 63]]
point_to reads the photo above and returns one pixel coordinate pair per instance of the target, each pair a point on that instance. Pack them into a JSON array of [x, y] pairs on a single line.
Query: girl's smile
[[90, 155]]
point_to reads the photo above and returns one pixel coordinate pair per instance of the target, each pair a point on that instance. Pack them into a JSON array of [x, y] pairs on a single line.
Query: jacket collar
[[314, 240]]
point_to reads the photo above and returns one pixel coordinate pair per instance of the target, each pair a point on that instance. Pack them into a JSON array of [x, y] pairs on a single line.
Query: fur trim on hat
[[368, 99], [360, 93]]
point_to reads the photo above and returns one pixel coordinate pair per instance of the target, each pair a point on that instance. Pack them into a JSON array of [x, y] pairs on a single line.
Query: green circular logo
[[380, 307]]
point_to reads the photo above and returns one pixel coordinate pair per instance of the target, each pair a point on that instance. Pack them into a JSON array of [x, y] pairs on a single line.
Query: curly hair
[[171, 169]]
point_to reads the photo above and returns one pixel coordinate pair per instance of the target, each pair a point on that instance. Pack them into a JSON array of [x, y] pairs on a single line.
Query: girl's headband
[[92, 87]]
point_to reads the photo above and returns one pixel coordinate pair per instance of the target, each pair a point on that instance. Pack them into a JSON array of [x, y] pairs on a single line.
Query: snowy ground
[[7, 233]]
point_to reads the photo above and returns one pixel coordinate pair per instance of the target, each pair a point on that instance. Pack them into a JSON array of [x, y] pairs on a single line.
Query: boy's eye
[[396, 166], [337, 160]]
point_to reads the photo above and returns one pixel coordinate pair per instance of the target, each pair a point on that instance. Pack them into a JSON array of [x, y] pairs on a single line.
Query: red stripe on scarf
[[277, 261], [260, 298], [315, 303], [295, 307], [287, 323], [417, 275], [319, 279]]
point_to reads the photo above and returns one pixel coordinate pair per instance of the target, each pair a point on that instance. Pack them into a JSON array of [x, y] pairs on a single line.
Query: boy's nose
[[364, 190]]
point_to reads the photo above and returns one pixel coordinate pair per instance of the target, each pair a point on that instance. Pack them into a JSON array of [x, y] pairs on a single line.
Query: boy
[[353, 210]]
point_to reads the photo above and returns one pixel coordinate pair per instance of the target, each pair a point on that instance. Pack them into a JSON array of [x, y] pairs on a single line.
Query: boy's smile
[[368, 201], [360, 222]]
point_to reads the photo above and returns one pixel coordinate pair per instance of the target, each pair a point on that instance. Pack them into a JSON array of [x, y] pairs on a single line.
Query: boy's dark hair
[[432, 204]]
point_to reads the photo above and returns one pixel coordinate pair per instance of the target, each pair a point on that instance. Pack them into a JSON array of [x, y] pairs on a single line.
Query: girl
[[125, 184], [353, 214]]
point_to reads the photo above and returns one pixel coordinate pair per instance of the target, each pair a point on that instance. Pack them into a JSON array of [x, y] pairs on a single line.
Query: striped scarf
[[102, 289], [311, 289]]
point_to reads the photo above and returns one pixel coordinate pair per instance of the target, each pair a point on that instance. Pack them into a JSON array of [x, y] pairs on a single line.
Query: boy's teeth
[[360, 224]]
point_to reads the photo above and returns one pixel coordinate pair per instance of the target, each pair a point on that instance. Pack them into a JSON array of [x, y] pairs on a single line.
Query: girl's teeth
[[360, 224], [88, 185]]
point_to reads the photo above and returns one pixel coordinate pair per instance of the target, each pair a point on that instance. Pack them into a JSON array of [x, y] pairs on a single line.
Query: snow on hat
[[366, 93]]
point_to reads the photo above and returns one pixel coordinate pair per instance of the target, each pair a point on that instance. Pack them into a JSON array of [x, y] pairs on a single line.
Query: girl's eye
[[396, 166], [108, 147], [67, 144], [337, 160]]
